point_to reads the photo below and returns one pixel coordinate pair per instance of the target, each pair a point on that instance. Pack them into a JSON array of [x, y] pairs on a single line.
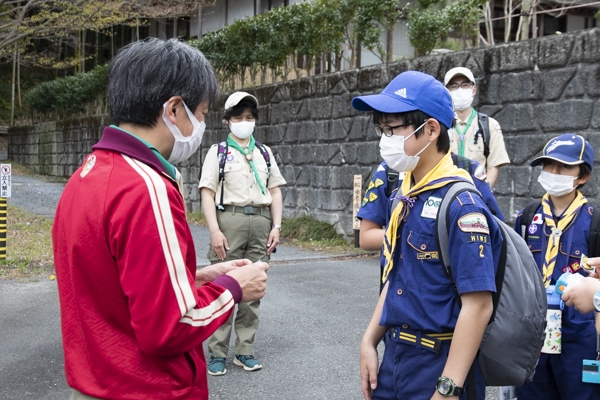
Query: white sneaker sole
[[240, 364], [217, 373]]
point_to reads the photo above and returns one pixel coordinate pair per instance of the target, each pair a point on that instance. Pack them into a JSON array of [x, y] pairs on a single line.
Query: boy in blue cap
[[558, 234], [431, 341]]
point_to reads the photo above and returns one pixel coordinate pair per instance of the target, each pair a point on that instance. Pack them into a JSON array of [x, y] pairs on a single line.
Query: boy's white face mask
[[184, 146], [391, 149], [556, 185]]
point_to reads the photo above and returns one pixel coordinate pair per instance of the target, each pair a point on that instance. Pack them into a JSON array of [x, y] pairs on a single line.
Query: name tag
[[430, 209]]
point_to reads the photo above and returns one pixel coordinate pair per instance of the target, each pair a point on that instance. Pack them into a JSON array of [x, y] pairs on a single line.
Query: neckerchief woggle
[[443, 173], [251, 145], [556, 230]]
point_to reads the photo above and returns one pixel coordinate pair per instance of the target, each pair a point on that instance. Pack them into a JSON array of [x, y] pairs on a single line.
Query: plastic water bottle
[[553, 339]]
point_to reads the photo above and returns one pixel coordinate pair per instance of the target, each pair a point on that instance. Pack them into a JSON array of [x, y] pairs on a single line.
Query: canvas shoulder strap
[[265, 154], [222, 158], [392, 177], [594, 241], [527, 217], [484, 126]]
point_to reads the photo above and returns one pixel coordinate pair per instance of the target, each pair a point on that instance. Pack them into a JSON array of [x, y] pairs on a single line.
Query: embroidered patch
[[365, 201], [373, 197], [473, 222], [472, 237], [532, 229], [378, 182], [230, 157], [371, 186], [480, 173], [432, 255], [430, 209], [89, 164], [537, 219], [572, 268]]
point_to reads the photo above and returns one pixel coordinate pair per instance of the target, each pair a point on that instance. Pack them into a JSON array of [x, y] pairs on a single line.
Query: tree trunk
[[526, 8], [12, 101], [389, 46]]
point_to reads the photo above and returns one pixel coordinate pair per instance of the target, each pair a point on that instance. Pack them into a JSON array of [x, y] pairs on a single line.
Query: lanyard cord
[[461, 135]]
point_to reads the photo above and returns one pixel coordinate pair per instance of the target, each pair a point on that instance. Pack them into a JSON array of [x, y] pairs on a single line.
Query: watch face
[[597, 301], [445, 387]]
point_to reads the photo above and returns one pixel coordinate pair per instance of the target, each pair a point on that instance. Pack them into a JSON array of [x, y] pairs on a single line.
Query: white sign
[[356, 199], [5, 180]]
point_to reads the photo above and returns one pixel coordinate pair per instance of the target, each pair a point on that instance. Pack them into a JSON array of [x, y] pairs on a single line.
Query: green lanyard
[[461, 135], [248, 155]]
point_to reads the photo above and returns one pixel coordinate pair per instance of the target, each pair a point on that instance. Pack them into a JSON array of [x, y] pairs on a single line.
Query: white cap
[[235, 98], [458, 71]]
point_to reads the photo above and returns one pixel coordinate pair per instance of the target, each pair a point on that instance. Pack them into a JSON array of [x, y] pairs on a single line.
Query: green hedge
[[68, 95]]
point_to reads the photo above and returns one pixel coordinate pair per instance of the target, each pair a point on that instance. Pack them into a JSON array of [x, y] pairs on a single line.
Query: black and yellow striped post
[[3, 228]]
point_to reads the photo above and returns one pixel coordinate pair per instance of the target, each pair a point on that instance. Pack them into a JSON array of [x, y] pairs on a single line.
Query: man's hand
[[211, 272], [252, 279], [581, 295], [218, 243]]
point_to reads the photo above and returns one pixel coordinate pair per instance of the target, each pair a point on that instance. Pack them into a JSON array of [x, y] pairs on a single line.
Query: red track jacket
[[133, 320]]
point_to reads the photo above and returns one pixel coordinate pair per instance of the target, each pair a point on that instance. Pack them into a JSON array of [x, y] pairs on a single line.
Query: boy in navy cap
[[558, 234], [431, 342]]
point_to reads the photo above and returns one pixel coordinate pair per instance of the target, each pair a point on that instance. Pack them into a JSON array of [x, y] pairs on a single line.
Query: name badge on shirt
[[430, 209]]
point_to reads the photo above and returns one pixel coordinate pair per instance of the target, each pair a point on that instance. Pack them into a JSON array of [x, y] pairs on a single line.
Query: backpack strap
[[265, 154], [222, 157], [393, 178], [527, 217], [484, 128], [594, 241], [441, 224], [462, 162]]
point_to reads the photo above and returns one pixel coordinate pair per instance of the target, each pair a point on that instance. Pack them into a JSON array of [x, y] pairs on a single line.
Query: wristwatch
[[277, 227], [447, 388], [597, 301]]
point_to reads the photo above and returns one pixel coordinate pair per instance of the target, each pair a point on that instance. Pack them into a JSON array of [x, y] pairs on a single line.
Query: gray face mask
[[184, 146]]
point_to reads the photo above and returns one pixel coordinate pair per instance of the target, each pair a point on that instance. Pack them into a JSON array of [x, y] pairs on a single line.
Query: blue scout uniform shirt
[[420, 296], [375, 204], [573, 243]]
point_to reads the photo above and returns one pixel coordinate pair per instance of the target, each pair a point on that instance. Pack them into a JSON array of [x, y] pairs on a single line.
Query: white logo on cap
[[554, 145], [401, 92]]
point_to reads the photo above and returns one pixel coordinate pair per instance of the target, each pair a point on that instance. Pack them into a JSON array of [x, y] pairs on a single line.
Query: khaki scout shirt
[[241, 189], [498, 155]]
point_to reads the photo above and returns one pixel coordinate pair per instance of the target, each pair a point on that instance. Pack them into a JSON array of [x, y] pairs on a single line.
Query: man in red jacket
[[134, 311]]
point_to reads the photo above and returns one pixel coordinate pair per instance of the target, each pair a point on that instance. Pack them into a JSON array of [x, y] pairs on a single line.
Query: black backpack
[[594, 240], [222, 157]]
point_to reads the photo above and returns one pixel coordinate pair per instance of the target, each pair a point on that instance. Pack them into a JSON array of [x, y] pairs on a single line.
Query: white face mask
[[556, 185], [462, 98], [243, 129], [392, 151], [184, 146]]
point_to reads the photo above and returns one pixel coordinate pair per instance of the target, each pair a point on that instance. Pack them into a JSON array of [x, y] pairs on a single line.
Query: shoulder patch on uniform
[[480, 173], [371, 186], [537, 219], [474, 222], [373, 197], [378, 182], [380, 168], [591, 210], [87, 167]]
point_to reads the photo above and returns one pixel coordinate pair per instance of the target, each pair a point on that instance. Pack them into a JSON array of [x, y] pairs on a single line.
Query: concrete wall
[[536, 89]]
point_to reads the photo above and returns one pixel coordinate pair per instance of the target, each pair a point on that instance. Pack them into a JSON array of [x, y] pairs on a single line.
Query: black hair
[[416, 118], [143, 75], [239, 108], [585, 170]]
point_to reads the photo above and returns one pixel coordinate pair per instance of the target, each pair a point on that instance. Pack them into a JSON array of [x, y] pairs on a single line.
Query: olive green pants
[[247, 237]]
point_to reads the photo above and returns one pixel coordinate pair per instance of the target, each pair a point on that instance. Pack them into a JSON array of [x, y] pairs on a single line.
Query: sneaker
[[216, 366], [249, 363]]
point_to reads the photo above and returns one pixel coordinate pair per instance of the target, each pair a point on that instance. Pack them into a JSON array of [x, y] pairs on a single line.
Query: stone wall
[[536, 89]]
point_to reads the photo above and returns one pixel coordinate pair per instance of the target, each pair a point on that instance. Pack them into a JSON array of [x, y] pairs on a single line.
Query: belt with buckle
[[249, 210], [429, 341]]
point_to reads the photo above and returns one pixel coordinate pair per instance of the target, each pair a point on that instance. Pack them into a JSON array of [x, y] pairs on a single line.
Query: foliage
[[68, 95], [429, 23]]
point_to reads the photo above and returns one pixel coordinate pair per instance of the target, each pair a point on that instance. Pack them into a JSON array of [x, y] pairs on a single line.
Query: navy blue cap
[[411, 91], [568, 149]]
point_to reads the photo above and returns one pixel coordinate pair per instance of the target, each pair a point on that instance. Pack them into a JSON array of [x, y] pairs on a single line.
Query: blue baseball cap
[[411, 91], [568, 149]]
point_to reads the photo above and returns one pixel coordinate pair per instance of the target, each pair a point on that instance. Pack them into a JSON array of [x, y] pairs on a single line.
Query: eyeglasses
[[388, 130], [464, 85]]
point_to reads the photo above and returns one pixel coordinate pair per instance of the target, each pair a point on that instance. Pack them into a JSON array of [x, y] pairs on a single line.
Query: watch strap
[[455, 391]]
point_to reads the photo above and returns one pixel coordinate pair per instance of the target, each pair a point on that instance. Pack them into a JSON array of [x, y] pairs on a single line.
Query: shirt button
[[404, 326], [399, 292]]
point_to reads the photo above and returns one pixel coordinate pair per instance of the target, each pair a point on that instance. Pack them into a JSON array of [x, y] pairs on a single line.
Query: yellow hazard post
[[3, 228], [5, 184]]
